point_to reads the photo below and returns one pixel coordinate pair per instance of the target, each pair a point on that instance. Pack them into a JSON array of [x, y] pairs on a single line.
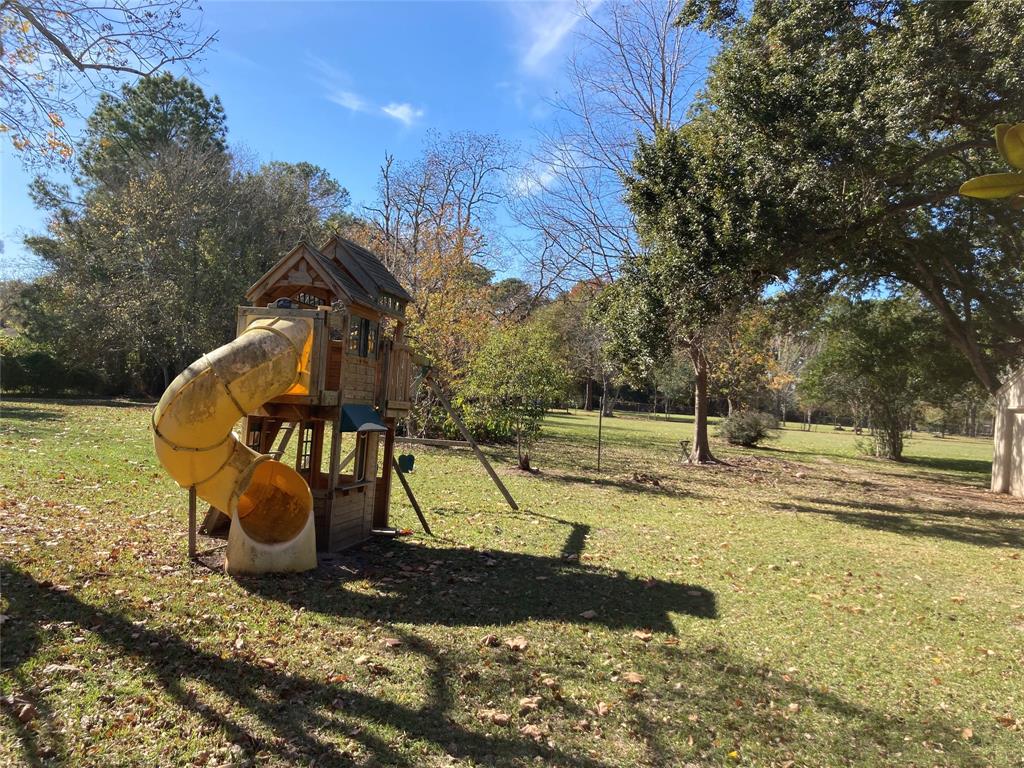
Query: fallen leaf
[[338, 679], [391, 642], [518, 643], [967, 733], [361, 660], [491, 641], [535, 732], [643, 634], [602, 709], [632, 678], [590, 614], [239, 643], [528, 704], [494, 716]]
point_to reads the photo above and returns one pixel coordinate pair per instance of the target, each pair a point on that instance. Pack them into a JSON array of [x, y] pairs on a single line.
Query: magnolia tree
[[515, 377]]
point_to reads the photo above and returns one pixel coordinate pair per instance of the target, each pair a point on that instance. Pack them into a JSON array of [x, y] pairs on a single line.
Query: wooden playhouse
[[360, 377]]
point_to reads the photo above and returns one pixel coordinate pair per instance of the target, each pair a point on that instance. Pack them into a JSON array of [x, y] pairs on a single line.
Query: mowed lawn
[[799, 606]]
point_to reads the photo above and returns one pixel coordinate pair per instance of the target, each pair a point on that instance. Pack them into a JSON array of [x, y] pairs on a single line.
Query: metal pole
[[192, 522], [600, 419]]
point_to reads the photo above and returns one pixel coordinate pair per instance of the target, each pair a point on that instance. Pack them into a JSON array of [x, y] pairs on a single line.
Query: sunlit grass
[[800, 603]]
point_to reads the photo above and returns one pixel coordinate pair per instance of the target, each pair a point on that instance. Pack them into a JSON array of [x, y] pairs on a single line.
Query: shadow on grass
[[306, 717], [622, 484], [292, 718], [485, 588], [960, 525], [27, 413], [949, 464]]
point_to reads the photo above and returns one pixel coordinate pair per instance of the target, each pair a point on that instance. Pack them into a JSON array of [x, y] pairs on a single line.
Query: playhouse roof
[[365, 266], [349, 271]]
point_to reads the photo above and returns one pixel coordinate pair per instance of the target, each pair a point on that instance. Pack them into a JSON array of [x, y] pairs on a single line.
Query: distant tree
[[55, 53], [582, 337], [157, 114], [632, 72], [147, 260], [516, 376], [695, 272], [881, 358]]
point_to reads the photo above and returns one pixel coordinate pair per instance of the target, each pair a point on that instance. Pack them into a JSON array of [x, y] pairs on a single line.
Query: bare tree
[[55, 52], [450, 192], [633, 71]]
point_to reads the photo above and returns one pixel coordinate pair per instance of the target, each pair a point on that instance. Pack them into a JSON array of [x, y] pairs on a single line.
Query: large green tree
[[149, 255], [695, 268], [846, 130]]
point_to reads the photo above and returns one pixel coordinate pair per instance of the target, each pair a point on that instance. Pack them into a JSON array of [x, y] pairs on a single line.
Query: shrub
[[747, 428]]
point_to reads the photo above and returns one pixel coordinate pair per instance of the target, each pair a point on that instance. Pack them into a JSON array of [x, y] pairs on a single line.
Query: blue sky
[[339, 84]]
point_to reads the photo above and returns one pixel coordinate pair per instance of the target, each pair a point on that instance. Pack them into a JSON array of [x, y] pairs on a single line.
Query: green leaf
[[993, 185]]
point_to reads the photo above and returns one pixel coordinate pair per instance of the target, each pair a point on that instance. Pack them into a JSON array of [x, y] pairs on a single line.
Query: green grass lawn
[[798, 606]]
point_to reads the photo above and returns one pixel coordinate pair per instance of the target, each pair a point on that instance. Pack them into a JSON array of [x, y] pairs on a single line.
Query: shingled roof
[[366, 267]]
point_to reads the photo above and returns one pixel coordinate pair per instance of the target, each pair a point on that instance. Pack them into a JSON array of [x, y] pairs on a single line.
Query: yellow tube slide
[[269, 503]]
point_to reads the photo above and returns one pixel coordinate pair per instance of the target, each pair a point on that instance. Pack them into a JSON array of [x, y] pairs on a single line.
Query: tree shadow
[[306, 717], [27, 413], [716, 699], [949, 464], [484, 588], [915, 520], [622, 484]]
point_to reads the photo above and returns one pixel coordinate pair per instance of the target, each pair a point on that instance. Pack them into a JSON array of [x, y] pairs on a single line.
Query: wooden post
[[412, 499], [472, 443], [192, 522]]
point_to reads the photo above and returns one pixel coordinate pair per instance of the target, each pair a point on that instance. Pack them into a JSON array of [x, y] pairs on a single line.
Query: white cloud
[[349, 100], [534, 181], [545, 26], [337, 89], [403, 112]]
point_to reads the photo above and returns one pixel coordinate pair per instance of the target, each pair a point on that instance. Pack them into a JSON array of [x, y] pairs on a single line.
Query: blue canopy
[[361, 418]]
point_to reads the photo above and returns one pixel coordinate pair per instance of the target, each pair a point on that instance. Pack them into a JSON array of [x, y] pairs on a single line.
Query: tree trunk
[[588, 397], [701, 453], [607, 400]]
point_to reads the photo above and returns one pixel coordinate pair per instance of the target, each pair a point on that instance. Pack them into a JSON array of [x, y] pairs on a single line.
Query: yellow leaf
[[1001, 130], [1013, 146], [993, 185]]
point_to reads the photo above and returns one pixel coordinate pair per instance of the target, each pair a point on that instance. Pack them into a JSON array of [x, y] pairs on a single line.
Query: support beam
[[412, 499], [192, 522], [469, 439]]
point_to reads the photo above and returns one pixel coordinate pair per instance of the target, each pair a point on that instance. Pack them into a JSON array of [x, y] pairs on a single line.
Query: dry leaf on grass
[[518, 643], [490, 641], [643, 634], [391, 642], [590, 614], [602, 709], [494, 716], [528, 704], [534, 732], [632, 678]]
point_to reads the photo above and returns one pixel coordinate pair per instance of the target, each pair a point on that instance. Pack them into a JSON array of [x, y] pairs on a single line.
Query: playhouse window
[[308, 299], [362, 337]]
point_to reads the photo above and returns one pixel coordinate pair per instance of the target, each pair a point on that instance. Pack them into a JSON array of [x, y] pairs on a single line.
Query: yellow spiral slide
[[269, 503]]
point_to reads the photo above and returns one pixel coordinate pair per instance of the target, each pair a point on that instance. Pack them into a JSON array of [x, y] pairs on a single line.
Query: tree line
[[738, 208]]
